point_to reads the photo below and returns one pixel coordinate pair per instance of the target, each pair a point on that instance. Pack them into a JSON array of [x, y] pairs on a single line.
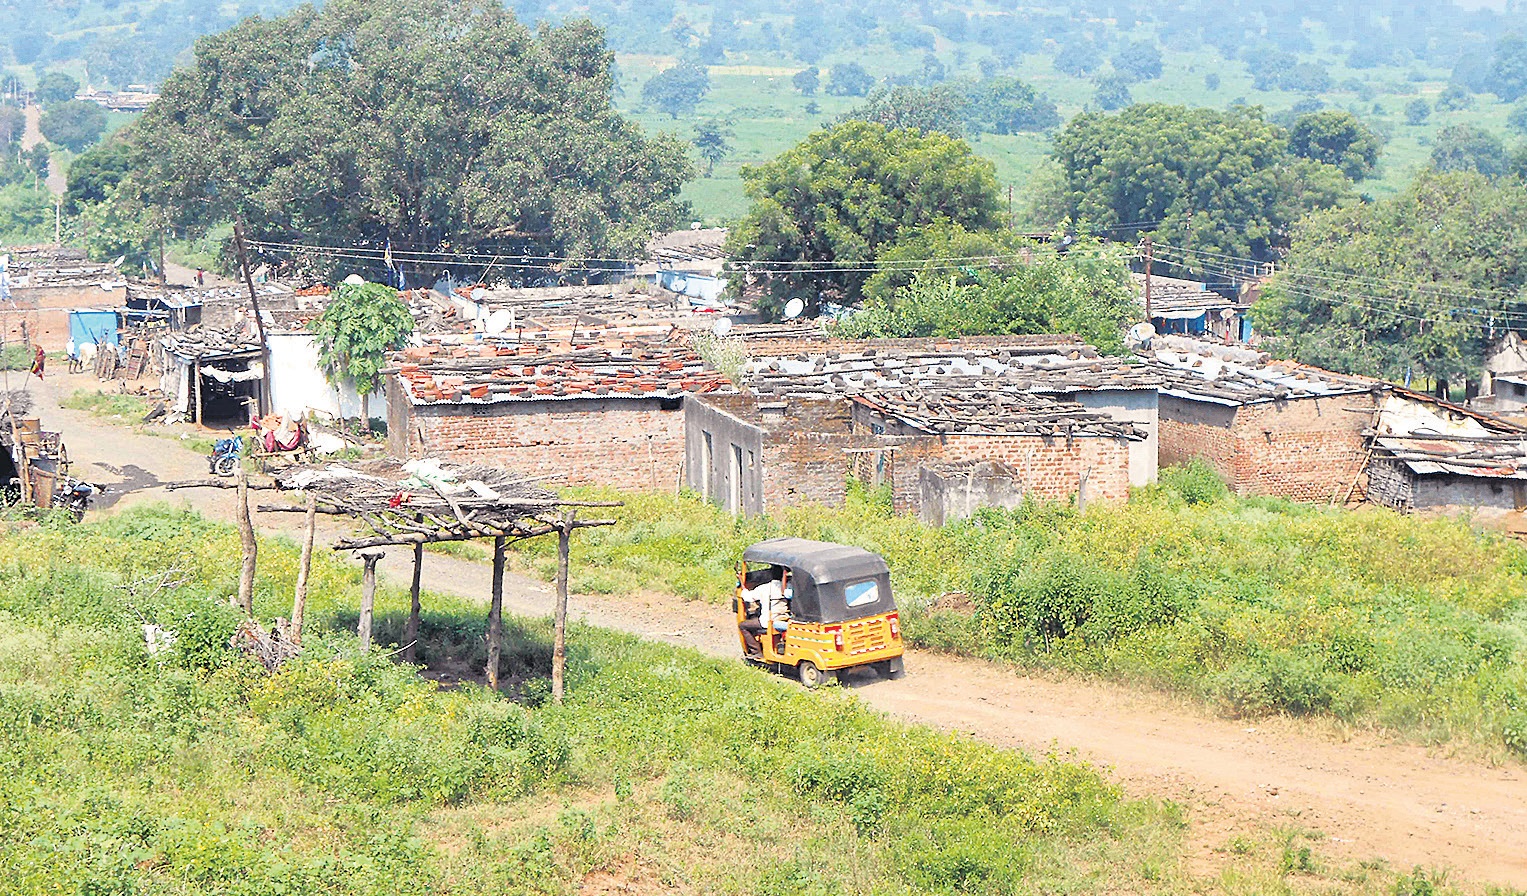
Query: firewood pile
[[271, 648]]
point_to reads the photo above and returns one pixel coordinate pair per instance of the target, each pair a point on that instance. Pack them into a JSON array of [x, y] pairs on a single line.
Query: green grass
[[193, 770], [1255, 606]]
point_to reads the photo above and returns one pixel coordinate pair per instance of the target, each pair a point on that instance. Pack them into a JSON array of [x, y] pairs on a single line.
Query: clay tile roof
[[969, 405]]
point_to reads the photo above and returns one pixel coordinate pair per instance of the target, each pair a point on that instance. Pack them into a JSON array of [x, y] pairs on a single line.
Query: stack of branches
[[426, 501], [270, 648]]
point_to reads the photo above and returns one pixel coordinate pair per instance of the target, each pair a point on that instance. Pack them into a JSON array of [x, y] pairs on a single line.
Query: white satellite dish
[[499, 321], [722, 326], [1140, 335], [355, 280], [480, 294], [118, 262], [794, 308]]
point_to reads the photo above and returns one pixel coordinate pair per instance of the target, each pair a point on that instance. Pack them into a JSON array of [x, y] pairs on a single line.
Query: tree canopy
[[74, 124], [1464, 147], [844, 193], [437, 124], [96, 171], [1216, 181], [1336, 138], [677, 90], [1416, 285], [358, 328], [56, 87], [849, 79]]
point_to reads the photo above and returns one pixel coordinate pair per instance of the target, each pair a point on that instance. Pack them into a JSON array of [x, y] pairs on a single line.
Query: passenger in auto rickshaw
[[766, 605]]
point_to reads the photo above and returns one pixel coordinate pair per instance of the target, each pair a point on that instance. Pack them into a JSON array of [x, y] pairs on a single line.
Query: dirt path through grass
[[1366, 798]]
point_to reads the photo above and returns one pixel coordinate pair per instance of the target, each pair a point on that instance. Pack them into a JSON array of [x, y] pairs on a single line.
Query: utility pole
[[162, 281], [58, 211], [254, 302], [1150, 256]]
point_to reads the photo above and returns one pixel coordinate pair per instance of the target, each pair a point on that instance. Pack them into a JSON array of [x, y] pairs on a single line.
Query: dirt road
[[1369, 798]]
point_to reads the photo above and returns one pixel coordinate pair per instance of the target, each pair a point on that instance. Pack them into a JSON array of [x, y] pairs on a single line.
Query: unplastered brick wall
[[1196, 429], [46, 310], [1307, 450], [1052, 467], [633, 444]]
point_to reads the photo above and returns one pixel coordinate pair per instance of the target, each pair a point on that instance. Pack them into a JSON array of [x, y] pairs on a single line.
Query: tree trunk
[[496, 612], [300, 598], [251, 548], [559, 619], [366, 412]]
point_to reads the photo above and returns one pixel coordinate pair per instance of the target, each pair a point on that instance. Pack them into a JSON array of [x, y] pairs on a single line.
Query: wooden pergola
[[427, 502]]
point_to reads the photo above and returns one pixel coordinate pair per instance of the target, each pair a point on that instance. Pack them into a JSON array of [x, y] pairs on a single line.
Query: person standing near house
[[38, 360], [201, 277], [73, 350]]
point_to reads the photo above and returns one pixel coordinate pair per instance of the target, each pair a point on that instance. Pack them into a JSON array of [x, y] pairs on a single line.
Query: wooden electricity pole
[[254, 302], [368, 596], [1150, 256]]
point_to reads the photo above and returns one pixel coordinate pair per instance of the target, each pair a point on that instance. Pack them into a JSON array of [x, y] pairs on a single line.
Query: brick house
[[1430, 454], [581, 413], [1269, 428], [48, 282]]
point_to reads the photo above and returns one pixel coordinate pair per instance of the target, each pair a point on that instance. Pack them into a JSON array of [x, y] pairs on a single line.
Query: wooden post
[[496, 612], [196, 391], [254, 303], [368, 596], [300, 599], [559, 619], [250, 546], [411, 630], [1150, 256]]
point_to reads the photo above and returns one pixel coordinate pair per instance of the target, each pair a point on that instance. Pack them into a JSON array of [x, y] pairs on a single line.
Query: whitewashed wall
[[298, 386]]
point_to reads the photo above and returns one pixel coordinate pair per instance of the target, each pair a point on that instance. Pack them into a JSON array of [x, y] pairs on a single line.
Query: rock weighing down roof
[[202, 343], [491, 372], [1049, 367], [970, 406], [1233, 376]]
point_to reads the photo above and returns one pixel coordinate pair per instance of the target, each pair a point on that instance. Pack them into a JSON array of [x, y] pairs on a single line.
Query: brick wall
[[46, 311], [633, 444], [1306, 449], [1052, 468]]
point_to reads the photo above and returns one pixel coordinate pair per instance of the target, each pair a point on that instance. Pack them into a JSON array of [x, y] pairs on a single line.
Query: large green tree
[[1337, 138], [1464, 147], [358, 328], [1207, 181], [437, 124], [96, 171], [825, 208], [1416, 285], [56, 87], [1086, 291], [74, 124], [677, 90]]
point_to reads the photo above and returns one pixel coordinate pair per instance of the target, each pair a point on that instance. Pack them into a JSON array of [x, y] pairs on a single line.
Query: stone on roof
[[970, 406]]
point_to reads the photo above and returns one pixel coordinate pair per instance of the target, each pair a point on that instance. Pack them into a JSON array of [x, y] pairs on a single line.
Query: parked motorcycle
[[74, 495], [224, 459]]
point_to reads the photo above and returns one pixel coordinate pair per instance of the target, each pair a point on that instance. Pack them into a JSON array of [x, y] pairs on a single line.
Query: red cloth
[[38, 361]]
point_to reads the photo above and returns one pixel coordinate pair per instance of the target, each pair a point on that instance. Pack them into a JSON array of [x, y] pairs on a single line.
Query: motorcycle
[[74, 495], [224, 459]]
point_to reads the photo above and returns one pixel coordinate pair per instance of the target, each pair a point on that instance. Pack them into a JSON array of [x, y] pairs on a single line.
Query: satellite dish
[[499, 321], [1140, 335], [794, 309], [480, 294], [118, 262], [679, 284], [355, 280], [722, 326]]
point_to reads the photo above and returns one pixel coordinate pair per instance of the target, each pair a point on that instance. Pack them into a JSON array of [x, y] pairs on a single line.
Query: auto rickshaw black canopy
[[821, 570]]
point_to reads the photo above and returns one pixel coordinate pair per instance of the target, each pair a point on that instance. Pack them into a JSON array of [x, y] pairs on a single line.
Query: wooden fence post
[[411, 629], [300, 598], [251, 548], [559, 619], [368, 596], [496, 612]]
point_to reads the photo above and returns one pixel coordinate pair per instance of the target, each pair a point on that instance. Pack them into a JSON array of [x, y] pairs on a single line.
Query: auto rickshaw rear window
[[860, 593]]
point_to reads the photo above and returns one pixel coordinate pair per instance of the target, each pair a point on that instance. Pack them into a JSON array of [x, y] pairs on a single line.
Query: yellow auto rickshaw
[[817, 607]]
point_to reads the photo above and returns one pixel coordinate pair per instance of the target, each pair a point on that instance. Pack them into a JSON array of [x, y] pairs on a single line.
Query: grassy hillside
[[1256, 606]]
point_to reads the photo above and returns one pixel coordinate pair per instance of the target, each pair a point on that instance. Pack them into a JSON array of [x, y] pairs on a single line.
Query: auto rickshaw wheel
[[812, 677]]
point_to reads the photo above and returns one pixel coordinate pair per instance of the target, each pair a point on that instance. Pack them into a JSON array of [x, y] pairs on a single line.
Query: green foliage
[[126, 772], [940, 108], [1195, 483], [1087, 292], [1138, 61], [1219, 182], [1465, 148], [74, 124], [119, 225], [93, 173], [847, 192], [357, 330], [56, 87], [1112, 94], [26, 214], [1411, 323], [677, 90], [1336, 138], [1516, 120], [1009, 106], [1508, 68], [807, 80], [1417, 111], [849, 79], [429, 122], [13, 123], [711, 139]]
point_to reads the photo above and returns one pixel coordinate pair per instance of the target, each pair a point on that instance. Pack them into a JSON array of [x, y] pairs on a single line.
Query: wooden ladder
[[137, 356]]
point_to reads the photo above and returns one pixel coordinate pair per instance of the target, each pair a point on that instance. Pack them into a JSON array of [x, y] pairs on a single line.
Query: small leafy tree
[[75, 124], [711, 141], [1417, 111], [355, 332], [849, 79], [677, 90], [56, 87], [806, 80]]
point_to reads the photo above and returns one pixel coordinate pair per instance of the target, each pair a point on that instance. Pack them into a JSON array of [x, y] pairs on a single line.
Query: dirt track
[[1371, 799]]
